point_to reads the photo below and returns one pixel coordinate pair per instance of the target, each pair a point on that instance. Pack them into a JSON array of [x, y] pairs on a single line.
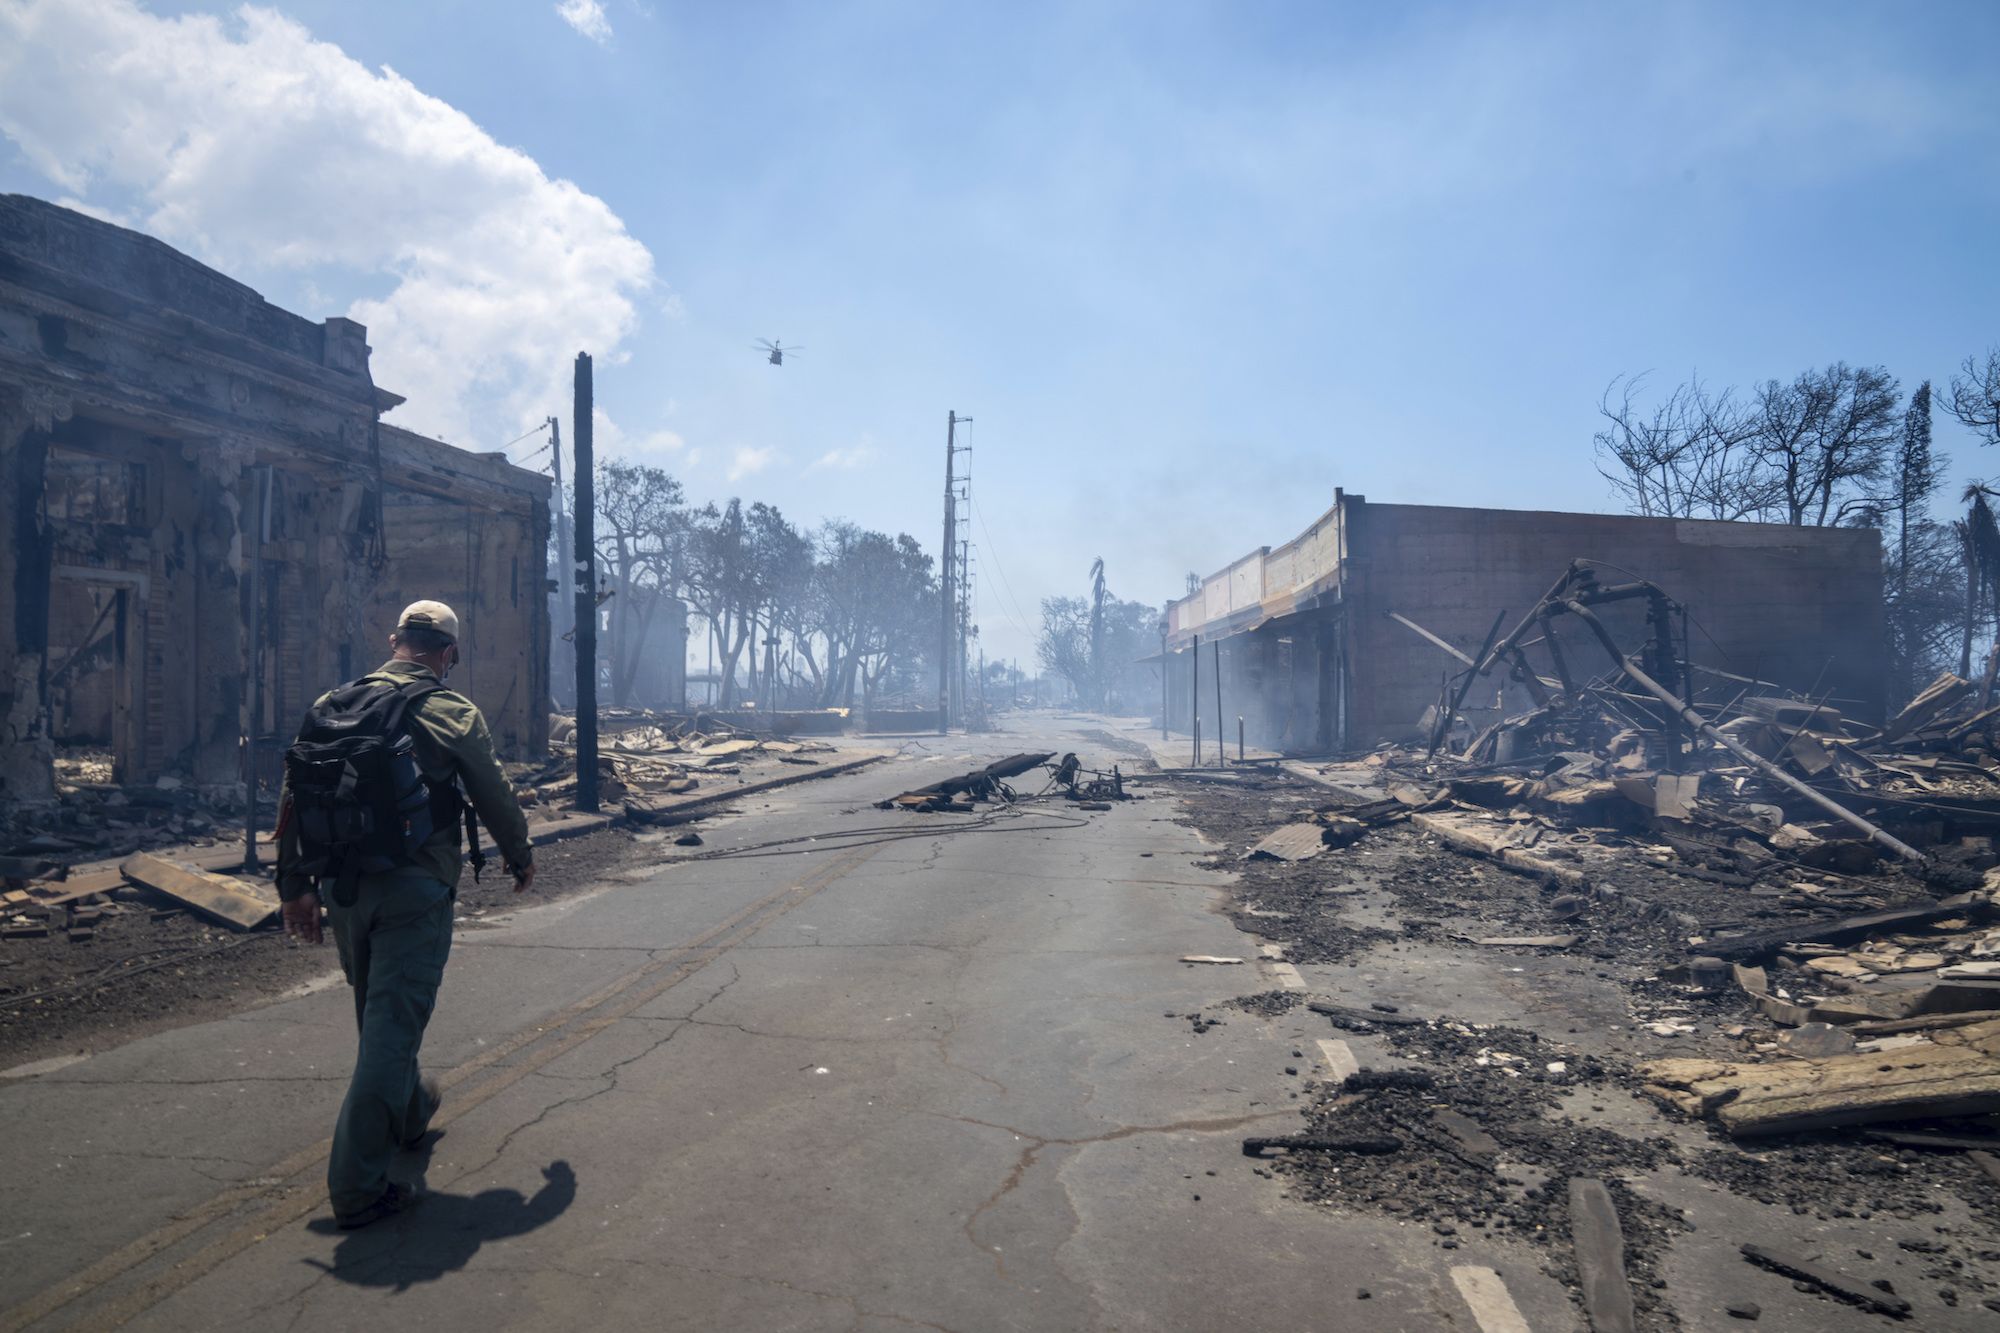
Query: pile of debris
[[647, 755], [1871, 847], [1736, 777], [38, 900], [95, 818], [1086, 788]]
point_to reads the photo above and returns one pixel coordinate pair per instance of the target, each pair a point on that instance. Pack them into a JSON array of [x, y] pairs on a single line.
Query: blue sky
[[1189, 267]]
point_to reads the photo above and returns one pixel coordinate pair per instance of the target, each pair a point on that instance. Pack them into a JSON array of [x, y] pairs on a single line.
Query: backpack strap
[[405, 696], [474, 852], [411, 693]]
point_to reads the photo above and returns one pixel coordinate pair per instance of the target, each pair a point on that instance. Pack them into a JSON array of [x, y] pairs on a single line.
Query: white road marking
[[1486, 1295], [1339, 1058], [1287, 976]]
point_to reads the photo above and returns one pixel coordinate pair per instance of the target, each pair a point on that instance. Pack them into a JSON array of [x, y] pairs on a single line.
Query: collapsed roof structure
[[1345, 635]]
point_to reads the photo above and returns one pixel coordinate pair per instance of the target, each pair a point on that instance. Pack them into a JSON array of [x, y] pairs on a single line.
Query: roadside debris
[[1085, 788], [1834, 1284], [1600, 1256], [1366, 1145], [234, 902], [644, 757], [960, 793], [1954, 1073]]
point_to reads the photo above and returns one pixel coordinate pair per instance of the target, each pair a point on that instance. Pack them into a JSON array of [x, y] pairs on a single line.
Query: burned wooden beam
[[1839, 930], [1600, 1256], [1365, 1019], [1367, 1145], [1834, 1284], [230, 901]]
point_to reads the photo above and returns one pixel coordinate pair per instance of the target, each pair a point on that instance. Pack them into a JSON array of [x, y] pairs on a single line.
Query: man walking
[[370, 813]]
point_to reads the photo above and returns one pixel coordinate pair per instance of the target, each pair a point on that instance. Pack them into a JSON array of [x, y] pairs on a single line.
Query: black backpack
[[361, 804]]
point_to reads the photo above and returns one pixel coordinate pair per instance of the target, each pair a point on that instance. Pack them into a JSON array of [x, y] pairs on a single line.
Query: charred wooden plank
[[1600, 1256], [233, 902], [1839, 930], [1370, 1145], [1834, 1284]]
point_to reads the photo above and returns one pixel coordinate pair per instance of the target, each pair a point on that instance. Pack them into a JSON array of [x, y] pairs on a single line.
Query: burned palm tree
[[1979, 540], [1097, 630]]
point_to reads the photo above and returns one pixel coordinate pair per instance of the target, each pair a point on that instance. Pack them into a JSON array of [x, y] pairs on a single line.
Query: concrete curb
[[672, 814]]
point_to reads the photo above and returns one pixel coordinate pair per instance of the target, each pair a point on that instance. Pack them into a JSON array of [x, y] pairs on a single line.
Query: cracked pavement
[[924, 1083]]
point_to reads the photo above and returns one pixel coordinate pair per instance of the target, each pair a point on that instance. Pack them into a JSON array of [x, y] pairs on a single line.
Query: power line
[[993, 552], [536, 430]]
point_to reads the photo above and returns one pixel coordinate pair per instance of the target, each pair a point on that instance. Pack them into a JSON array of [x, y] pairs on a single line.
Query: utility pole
[[586, 595], [565, 627], [947, 557]]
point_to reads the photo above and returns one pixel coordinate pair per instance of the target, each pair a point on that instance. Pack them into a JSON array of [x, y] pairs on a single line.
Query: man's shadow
[[442, 1232]]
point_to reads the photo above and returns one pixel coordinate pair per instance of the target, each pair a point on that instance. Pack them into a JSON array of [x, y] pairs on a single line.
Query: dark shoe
[[433, 1096], [396, 1199]]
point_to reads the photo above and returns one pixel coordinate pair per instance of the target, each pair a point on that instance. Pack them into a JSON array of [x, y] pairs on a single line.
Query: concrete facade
[[180, 460], [1313, 663]]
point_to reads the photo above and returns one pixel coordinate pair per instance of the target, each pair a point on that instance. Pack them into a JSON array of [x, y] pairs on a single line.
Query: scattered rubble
[[644, 757], [1799, 990], [1086, 789]]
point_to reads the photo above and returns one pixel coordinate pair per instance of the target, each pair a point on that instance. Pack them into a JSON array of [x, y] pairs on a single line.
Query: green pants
[[393, 944]]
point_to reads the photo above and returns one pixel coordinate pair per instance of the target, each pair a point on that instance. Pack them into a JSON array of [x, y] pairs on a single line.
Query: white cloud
[[260, 149], [745, 460], [846, 459], [588, 18], [660, 447]]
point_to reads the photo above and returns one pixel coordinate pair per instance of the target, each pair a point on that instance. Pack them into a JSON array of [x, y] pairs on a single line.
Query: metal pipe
[[1750, 757], [1239, 738], [1221, 754], [1410, 624], [1194, 696]]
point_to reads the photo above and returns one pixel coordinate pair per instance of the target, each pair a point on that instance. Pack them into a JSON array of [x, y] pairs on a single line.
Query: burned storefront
[[208, 521], [1350, 633]]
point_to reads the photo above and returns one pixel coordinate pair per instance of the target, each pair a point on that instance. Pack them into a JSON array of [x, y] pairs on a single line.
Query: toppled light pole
[[586, 594]]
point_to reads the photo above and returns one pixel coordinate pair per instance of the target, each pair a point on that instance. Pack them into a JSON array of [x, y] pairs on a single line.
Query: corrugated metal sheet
[[1293, 842]]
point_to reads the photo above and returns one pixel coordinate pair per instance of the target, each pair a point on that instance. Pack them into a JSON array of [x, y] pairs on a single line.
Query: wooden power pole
[[586, 595]]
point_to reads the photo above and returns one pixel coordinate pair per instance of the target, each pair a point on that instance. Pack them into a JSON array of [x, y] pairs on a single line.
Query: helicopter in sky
[[775, 353]]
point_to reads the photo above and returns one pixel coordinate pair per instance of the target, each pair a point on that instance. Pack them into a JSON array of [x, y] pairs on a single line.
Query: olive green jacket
[[451, 741]]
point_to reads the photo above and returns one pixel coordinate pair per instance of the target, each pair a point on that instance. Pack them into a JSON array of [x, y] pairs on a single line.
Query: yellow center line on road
[[294, 1200]]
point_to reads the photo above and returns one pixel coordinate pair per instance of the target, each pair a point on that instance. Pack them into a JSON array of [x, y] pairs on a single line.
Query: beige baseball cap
[[430, 615]]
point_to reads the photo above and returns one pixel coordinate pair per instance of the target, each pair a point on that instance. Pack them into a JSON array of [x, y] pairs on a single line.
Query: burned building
[[208, 521], [1332, 640]]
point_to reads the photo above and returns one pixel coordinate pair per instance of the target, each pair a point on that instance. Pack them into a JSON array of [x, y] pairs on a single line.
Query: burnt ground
[[152, 966], [1525, 1097]]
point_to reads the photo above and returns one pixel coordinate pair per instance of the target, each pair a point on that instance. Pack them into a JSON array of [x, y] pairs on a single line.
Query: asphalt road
[[918, 1077]]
